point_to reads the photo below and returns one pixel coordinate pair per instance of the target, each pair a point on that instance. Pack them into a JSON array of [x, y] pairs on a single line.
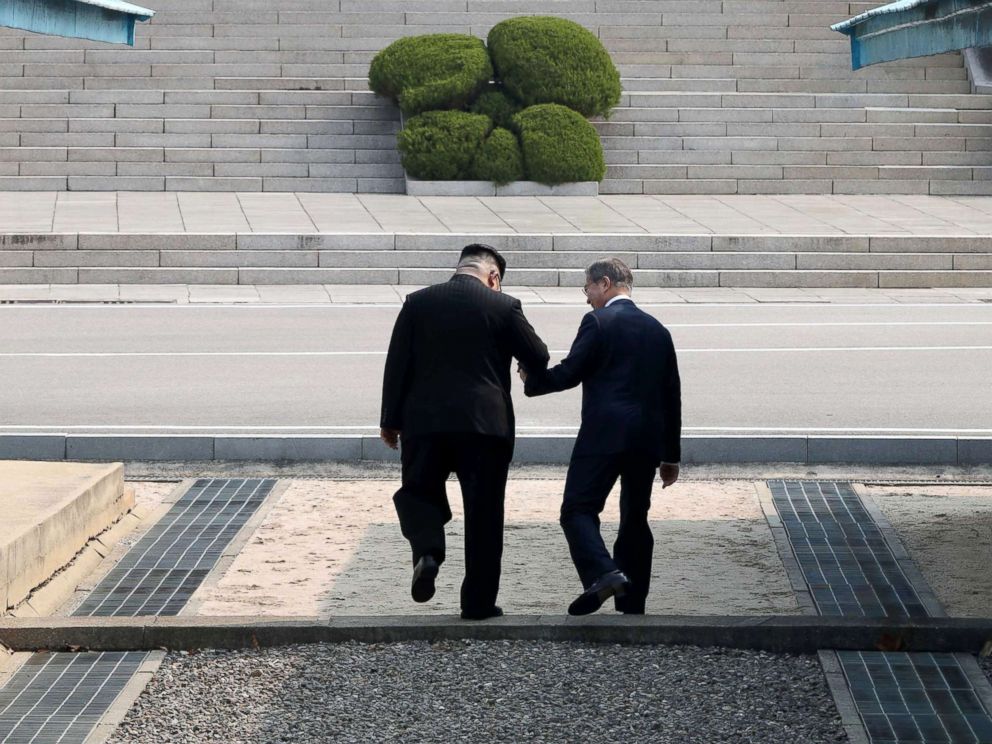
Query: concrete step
[[839, 278], [51, 511]]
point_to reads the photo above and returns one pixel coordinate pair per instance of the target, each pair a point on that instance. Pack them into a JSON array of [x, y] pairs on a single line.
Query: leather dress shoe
[[483, 615], [424, 574], [612, 584]]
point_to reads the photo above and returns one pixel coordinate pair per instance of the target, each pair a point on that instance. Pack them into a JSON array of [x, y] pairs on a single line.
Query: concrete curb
[[776, 633], [801, 449]]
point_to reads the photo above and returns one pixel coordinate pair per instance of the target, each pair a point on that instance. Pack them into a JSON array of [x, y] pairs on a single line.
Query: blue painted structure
[[101, 20], [917, 28]]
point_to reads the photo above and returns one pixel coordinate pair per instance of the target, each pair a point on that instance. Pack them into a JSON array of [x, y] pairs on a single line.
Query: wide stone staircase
[[721, 97]]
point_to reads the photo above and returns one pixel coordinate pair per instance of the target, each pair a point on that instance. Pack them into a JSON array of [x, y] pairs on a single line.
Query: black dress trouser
[[481, 464], [588, 483]]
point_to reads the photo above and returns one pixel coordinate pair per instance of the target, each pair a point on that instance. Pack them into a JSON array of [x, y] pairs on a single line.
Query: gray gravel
[[476, 691]]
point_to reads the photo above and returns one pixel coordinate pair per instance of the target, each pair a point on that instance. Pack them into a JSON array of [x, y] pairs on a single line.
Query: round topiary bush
[[498, 106], [541, 59], [559, 145], [442, 145], [434, 71], [499, 159]]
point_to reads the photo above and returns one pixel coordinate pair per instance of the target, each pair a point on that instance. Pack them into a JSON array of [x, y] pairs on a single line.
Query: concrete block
[[883, 450], [26, 154], [691, 261], [416, 187], [455, 241], [16, 258], [157, 241], [632, 242], [210, 126], [318, 276], [96, 258], [220, 259], [32, 447], [147, 275], [200, 170], [65, 139], [38, 242], [210, 155], [257, 170], [103, 447], [791, 243], [743, 449], [33, 183], [110, 125], [292, 449], [924, 279], [862, 279], [514, 277], [707, 186], [128, 139], [115, 154], [968, 262], [374, 450], [948, 244], [875, 261], [543, 449], [38, 276], [974, 451]]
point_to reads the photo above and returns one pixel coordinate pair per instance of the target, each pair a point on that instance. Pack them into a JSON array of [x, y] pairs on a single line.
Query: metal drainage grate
[[161, 572], [916, 697], [843, 555], [60, 697]]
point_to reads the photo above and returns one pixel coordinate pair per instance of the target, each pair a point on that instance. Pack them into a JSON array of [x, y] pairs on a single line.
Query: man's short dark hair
[[486, 252], [618, 272]]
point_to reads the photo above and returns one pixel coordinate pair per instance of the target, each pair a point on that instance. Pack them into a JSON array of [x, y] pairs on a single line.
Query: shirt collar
[[618, 297]]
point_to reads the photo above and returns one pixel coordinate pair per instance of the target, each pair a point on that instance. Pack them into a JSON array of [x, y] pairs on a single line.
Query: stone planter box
[[416, 187]]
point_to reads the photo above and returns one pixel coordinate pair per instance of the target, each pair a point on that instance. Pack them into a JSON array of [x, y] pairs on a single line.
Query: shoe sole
[[601, 596], [423, 586]]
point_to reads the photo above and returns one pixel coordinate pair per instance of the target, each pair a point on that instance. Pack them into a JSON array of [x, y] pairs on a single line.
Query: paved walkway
[[197, 213]]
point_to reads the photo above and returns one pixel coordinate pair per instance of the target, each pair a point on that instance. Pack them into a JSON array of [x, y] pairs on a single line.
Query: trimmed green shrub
[[559, 145], [434, 71], [541, 59], [499, 159], [498, 106], [442, 145]]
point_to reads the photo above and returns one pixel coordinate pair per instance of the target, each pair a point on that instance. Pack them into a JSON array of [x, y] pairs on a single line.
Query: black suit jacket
[[448, 367], [631, 392]]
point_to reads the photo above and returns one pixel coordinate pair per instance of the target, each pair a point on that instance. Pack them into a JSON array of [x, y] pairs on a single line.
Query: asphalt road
[[746, 369]]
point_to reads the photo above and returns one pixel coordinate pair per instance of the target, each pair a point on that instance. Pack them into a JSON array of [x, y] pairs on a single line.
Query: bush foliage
[[499, 159], [542, 59], [442, 145], [434, 71], [498, 106], [559, 145]]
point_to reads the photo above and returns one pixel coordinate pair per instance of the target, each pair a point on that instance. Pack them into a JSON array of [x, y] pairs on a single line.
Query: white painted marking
[[374, 428], [765, 349]]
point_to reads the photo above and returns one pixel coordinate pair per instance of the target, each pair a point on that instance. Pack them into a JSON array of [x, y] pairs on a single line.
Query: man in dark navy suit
[[446, 393], [631, 427]]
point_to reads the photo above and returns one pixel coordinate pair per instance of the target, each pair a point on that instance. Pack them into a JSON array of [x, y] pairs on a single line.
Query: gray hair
[[614, 269]]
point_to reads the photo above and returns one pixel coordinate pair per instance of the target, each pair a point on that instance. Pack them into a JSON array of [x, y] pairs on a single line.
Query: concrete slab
[[50, 512]]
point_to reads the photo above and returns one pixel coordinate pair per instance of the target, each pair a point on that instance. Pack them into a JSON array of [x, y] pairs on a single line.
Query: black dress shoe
[[483, 615], [612, 584], [424, 574]]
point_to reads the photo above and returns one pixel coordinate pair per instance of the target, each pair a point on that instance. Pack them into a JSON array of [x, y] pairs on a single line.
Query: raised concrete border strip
[[552, 449], [774, 633]]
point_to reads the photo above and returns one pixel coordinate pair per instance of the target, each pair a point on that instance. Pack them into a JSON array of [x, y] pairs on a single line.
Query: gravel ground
[[476, 691]]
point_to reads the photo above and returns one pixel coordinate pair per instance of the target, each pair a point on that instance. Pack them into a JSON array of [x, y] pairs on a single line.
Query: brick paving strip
[[62, 696], [846, 561]]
